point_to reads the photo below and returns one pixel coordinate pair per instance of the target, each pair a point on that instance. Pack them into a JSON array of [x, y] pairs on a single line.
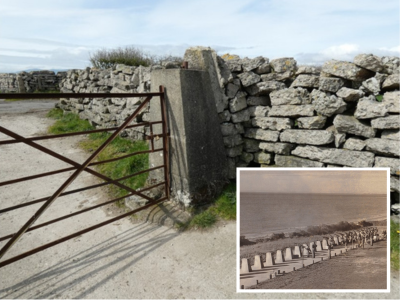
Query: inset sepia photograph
[[313, 230]]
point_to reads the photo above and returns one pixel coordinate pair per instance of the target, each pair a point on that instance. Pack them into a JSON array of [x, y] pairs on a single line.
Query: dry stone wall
[[279, 114], [29, 82]]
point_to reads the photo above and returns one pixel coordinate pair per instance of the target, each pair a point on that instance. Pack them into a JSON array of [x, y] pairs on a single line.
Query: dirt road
[[121, 260]]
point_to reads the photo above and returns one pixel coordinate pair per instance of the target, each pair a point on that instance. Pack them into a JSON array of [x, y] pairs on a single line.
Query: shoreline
[[289, 230]]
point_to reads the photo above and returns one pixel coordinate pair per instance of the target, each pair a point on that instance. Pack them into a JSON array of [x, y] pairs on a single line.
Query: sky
[[48, 34], [316, 181]]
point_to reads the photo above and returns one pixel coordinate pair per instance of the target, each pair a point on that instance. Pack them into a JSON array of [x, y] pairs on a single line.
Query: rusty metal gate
[[85, 166]]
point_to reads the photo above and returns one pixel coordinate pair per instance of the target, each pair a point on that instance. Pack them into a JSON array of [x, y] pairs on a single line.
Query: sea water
[[262, 214]]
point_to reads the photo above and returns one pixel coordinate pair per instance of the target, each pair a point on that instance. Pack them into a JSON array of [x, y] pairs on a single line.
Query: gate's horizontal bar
[[46, 137], [79, 212], [74, 168], [71, 236], [75, 95], [78, 190]]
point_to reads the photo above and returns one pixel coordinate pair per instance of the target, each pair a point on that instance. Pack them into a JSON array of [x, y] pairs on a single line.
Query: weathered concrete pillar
[[288, 254], [325, 244], [198, 165], [335, 239], [258, 264], [269, 259], [319, 247], [297, 251], [279, 256], [246, 268], [305, 250]]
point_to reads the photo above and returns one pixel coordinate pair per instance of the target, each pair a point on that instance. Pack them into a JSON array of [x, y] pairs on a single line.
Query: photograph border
[[239, 290]]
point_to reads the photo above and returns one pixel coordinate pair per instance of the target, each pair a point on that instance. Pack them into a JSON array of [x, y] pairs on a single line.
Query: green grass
[[223, 208], [379, 98], [394, 245], [118, 147]]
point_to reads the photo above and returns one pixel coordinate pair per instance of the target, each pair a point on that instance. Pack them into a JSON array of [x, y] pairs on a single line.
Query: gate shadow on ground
[[81, 266]]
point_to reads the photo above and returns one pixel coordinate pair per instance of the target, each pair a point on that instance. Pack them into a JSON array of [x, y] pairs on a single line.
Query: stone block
[[278, 148], [269, 259], [350, 124], [346, 70], [292, 111], [241, 116], [331, 84], [350, 95], [391, 82], [262, 158], [290, 96], [357, 159], [231, 90], [387, 162], [228, 129], [272, 123], [394, 184], [392, 101], [249, 78], [264, 88], [383, 146], [238, 103], [316, 122], [370, 62], [246, 268], [391, 135], [234, 151], [281, 65], [261, 100], [264, 135], [372, 85], [251, 145], [369, 108], [296, 162], [354, 144], [258, 111], [326, 104], [247, 157], [312, 137], [305, 81], [389, 122]]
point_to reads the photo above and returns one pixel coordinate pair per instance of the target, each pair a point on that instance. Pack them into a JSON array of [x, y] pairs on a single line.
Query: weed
[[203, 220], [394, 244], [67, 123], [379, 98]]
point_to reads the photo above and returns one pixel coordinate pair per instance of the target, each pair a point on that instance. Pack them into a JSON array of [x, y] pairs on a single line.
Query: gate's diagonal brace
[[82, 167]]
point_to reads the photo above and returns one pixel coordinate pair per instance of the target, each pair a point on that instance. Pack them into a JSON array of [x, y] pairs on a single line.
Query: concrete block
[[336, 240], [258, 264], [297, 251], [305, 250], [279, 257], [269, 259], [325, 244], [288, 254], [246, 268], [319, 246]]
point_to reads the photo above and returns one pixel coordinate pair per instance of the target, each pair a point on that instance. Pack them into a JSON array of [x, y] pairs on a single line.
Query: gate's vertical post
[[165, 140], [196, 154]]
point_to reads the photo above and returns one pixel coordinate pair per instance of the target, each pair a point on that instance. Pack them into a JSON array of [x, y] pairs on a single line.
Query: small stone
[[247, 157], [391, 135], [238, 103], [258, 111], [277, 76], [251, 145], [264, 88], [228, 129], [296, 162], [241, 116], [264, 68], [391, 82], [255, 101], [316, 122], [278, 148], [262, 158], [350, 95], [312, 137], [249, 78], [354, 144], [231, 90], [307, 70], [372, 85], [224, 116], [233, 140], [272, 123], [392, 101], [394, 184], [234, 151]]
